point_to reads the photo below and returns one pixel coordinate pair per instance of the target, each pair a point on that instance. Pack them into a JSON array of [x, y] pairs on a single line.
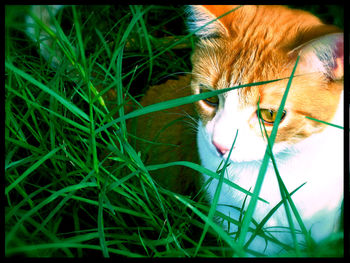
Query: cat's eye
[[269, 116], [212, 101]]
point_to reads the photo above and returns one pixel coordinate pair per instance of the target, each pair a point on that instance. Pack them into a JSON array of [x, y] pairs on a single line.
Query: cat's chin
[[238, 157]]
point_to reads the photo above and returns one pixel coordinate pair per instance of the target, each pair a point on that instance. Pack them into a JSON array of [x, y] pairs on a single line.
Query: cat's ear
[[200, 15], [323, 53]]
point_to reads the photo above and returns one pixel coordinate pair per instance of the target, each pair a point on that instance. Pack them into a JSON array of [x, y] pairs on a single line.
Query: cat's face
[[230, 60]]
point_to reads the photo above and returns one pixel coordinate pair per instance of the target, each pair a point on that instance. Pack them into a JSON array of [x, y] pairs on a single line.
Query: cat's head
[[260, 43]]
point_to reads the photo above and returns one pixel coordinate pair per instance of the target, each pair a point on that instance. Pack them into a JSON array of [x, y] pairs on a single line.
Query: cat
[[253, 44], [257, 43], [248, 45]]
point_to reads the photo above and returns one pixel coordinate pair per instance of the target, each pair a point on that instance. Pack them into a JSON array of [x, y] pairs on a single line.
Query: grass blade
[[216, 197], [268, 216], [42, 204], [70, 106], [101, 232], [183, 39], [38, 106], [252, 204], [217, 229], [328, 123], [65, 244], [31, 169], [282, 189], [200, 169], [177, 102]]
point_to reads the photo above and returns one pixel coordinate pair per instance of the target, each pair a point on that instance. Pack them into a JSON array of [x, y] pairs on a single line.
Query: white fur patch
[[316, 161]]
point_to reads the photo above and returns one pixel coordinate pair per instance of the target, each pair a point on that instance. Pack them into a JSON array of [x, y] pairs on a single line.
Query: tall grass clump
[[74, 185]]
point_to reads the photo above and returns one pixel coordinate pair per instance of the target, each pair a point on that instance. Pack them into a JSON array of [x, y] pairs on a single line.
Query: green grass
[[74, 185]]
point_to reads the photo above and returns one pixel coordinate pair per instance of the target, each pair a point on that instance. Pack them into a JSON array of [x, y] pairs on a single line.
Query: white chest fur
[[317, 162]]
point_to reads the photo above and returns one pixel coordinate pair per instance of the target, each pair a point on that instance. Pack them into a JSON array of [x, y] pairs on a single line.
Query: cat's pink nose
[[220, 148]]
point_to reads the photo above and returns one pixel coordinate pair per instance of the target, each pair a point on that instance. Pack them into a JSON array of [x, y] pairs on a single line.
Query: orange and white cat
[[248, 45], [257, 43]]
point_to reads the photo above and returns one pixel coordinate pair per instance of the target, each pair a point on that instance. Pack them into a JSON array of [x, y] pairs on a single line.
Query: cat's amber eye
[[269, 116], [212, 101]]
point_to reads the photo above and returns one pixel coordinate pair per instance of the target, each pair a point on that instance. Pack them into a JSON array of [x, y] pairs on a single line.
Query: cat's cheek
[[248, 147], [206, 148], [253, 121], [209, 127]]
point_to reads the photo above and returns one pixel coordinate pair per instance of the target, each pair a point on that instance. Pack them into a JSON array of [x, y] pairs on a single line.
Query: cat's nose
[[220, 148]]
